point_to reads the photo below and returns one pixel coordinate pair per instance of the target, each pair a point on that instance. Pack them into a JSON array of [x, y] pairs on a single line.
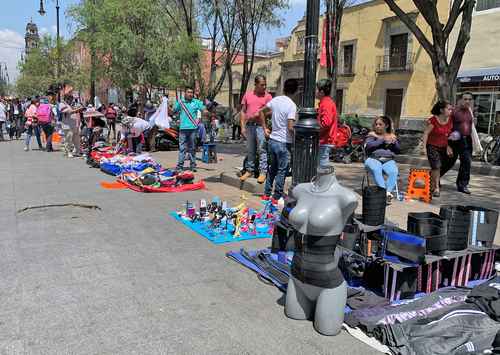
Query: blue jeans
[[324, 155], [277, 169], [378, 169], [256, 142], [187, 145], [29, 133]]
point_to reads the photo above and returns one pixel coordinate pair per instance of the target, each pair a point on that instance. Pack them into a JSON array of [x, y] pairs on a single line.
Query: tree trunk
[[229, 83], [444, 87], [335, 9], [213, 64]]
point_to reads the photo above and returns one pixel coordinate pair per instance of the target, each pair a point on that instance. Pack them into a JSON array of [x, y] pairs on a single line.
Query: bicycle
[[491, 154]]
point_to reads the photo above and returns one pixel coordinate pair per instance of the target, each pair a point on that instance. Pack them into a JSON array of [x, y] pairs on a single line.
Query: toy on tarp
[[217, 221]]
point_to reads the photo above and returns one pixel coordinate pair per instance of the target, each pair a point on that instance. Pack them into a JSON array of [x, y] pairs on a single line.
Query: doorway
[[393, 105]]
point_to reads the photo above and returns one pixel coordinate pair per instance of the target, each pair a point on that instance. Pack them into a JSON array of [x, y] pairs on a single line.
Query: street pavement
[[126, 278]]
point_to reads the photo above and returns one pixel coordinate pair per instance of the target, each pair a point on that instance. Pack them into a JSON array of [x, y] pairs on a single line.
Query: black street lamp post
[[306, 143], [42, 12]]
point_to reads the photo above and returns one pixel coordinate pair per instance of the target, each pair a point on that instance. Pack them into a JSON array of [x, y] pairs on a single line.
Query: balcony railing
[[395, 63]]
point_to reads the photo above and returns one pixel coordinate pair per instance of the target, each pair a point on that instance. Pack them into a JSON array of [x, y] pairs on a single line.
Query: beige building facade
[[382, 67]]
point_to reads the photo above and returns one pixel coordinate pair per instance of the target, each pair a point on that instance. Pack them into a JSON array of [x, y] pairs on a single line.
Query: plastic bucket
[[374, 204]]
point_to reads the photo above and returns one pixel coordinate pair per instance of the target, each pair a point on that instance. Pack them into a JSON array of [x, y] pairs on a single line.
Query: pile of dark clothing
[[448, 321]]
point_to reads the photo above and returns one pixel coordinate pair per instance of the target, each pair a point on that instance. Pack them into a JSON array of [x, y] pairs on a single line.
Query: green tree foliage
[[135, 42], [38, 70]]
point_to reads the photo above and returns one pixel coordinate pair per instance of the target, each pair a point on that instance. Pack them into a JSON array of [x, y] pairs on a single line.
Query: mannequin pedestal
[[325, 305]]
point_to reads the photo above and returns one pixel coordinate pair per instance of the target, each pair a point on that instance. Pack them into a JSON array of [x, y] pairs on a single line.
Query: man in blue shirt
[[190, 111]]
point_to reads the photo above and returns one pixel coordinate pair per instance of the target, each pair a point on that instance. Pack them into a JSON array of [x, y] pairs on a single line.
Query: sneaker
[[26, 149], [261, 179], [70, 155], [245, 176]]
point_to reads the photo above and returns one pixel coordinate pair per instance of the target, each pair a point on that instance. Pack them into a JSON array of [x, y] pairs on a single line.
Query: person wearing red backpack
[[111, 114], [45, 116]]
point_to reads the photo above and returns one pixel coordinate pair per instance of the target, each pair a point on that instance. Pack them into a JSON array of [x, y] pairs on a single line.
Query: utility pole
[[93, 54], [58, 43], [306, 143], [42, 12]]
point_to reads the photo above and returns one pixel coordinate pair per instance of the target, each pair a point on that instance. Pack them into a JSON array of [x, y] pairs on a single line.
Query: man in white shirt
[[283, 111], [133, 131]]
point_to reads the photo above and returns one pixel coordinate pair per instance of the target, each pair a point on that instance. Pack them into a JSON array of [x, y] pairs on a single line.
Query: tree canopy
[[136, 44], [38, 70]]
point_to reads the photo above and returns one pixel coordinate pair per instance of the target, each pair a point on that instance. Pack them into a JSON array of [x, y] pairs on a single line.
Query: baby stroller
[[95, 130], [349, 144]]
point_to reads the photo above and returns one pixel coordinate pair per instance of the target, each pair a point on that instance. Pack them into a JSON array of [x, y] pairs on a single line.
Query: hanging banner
[[322, 57]]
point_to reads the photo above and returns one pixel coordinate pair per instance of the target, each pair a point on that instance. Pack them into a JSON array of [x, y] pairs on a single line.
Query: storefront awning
[[479, 75]]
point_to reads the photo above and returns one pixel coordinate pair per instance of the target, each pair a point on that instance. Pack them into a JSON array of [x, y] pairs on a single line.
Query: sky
[[15, 14]]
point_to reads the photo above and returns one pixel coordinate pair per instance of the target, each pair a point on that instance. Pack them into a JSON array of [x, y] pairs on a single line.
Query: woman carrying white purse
[[464, 140]]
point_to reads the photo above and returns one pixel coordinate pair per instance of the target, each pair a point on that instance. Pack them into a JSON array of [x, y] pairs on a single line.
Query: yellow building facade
[[382, 67]]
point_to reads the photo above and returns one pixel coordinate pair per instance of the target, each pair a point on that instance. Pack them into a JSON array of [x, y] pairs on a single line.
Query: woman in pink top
[[253, 129], [32, 125]]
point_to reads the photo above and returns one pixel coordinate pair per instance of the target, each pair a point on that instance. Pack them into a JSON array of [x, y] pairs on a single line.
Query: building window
[[398, 51], [348, 59], [339, 98], [301, 41], [482, 5]]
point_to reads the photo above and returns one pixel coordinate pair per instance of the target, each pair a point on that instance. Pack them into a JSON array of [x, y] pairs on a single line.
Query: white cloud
[[43, 31], [54, 29], [11, 48]]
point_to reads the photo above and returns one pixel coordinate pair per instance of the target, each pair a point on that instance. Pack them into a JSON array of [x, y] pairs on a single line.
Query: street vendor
[[133, 131], [190, 110]]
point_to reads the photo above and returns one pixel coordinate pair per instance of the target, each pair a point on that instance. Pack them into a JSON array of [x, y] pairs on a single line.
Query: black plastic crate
[[430, 226]]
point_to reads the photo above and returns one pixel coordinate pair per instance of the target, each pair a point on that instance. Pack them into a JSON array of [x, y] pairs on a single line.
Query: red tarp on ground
[[187, 187]]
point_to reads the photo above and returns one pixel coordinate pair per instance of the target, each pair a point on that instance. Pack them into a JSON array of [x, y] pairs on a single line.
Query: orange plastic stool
[[419, 185]]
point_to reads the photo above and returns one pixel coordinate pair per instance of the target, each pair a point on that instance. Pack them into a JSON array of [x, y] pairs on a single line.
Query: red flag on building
[[322, 58]]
